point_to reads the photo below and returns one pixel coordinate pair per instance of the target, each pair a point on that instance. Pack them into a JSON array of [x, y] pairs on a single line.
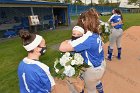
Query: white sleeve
[[81, 39], [46, 69], [111, 18]]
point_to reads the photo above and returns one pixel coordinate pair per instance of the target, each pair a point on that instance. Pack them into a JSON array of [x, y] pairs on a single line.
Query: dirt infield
[[124, 76]]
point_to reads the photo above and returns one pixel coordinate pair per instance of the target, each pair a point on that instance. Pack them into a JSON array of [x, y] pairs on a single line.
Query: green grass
[[11, 52], [74, 17], [131, 19]]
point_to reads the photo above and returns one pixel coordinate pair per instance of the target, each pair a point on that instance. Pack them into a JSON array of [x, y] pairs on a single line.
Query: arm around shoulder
[[114, 24], [65, 46]]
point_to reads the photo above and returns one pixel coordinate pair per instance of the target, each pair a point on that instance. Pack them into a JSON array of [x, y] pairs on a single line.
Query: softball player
[[34, 76], [116, 33], [90, 47], [78, 32]]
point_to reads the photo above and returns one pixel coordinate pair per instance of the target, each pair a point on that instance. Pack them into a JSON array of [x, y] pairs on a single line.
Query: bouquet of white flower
[[104, 31], [69, 65], [105, 27]]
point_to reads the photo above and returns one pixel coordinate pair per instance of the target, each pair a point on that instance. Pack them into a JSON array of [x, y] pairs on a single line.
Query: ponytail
[[26, 37]]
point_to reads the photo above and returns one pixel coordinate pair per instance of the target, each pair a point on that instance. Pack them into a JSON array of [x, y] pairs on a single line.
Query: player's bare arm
[[66, 46], [114, 24]]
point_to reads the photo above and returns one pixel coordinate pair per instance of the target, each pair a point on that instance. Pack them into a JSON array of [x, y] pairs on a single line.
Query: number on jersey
[[99, 41]]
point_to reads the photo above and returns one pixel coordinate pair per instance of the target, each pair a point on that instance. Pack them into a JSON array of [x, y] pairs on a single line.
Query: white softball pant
[[115, 37], [92, 76]]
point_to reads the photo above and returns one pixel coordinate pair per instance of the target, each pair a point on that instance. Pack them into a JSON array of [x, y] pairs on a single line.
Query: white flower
[[69, 71], [65, 58], [106, 24], [63, 61], [73, 62], [79, 59], [102, 23], [106, 27], [67, 54], [56, 70], [68, 64]]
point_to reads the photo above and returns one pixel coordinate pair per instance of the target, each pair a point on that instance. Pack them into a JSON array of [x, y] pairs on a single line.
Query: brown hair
[[91, 21], [26, 37], [116, 10], [80, 18]]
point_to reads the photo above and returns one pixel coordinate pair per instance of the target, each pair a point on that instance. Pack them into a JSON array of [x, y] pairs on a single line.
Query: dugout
[[14, 14]]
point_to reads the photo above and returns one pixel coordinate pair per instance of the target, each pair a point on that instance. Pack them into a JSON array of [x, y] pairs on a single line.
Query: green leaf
[[61, 70], [68, 63], [85, 65], [58, 66]]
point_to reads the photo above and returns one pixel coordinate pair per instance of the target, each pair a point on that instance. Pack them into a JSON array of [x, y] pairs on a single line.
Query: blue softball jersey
[[114, 19], [90, 47], [34, 77]]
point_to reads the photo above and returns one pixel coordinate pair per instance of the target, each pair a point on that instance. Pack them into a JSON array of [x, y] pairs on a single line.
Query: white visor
[[34, 43], [78, 28]]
